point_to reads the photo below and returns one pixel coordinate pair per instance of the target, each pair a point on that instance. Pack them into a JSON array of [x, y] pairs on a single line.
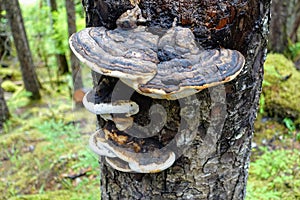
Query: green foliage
[[293, 51], [54, 130], [261, 104], [275, 175], [38, 27], [47, 31], [289, 124], [59, 33]]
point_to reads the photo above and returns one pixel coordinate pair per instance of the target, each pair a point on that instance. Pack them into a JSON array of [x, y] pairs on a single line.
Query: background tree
[[284, 24], [4, 113], [4, 38], [14, 16], [60, 55], [216, 165], [75, 64]]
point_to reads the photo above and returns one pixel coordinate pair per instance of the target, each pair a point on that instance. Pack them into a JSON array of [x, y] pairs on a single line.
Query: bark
[[4, 38], [75, 64], [15, 19], [216, 164], [4, 113], [284, 24], [62, 63], [61, 59]]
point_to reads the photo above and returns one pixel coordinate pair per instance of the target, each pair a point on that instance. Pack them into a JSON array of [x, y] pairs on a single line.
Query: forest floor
[[44, 151]]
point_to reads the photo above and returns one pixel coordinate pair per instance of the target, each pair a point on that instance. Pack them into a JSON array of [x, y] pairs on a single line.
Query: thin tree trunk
[[4, 113], [284, 24], [4, 39], [61, 59], [14, 16], [75, 64], [216, 164]]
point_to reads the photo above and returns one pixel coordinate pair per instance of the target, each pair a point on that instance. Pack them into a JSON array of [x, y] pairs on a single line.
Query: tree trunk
[[4, 38], [61, 59], [75, 64], [4, 113], [15, 19], [216, 164], [284, 24]]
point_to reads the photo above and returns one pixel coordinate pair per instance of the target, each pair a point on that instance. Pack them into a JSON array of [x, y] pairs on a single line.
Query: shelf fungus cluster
[[168, 65]]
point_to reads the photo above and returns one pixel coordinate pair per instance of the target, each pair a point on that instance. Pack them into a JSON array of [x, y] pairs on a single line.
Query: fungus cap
[[126, 107], [150, 162], [165, 68]]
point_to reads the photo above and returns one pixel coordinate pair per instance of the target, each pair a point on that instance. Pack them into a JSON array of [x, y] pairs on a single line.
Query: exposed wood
[[14, 16], [216, 164]]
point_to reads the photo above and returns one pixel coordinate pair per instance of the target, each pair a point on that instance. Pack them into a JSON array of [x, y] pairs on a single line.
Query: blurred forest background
[[44, 130]]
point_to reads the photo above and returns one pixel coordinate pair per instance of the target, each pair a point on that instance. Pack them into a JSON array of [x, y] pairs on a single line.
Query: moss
[[11, 73], [57, 195], [281, 87], [267, 128], [275, 175], [9, 86], [38, 159]]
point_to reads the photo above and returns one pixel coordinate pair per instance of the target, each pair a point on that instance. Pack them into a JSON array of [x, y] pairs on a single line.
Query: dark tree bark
[[216, 165], [284, 24], [75, 64], [4, 38], [13, 13], [4, 113], [61, 59]]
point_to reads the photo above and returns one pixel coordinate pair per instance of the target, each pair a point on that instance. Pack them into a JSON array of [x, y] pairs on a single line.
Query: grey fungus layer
[[168, 67], [126, 107]]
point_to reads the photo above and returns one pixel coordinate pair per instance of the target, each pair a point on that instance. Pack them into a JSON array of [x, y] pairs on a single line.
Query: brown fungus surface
[[150, 162], [168, 67]]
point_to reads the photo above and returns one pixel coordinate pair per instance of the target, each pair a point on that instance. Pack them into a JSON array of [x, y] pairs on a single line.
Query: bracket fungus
[[168, 65], [121, 107]]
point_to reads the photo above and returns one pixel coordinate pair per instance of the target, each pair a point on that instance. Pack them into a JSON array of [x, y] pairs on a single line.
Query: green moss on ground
[[281, 88], [275, 175], [9, 86], [13, 74], [44, 151]]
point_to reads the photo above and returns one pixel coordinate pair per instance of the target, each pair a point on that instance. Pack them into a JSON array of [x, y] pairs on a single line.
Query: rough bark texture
[[216, 165], [284, 24], [4, 113], [61, 59], [15, 19], [75, 64]]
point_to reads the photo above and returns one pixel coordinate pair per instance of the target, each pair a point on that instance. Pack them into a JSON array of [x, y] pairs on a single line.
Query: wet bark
[[75, 64], [14, 16], [4, 113], [61, 59], [284, 24], [216, 164]]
